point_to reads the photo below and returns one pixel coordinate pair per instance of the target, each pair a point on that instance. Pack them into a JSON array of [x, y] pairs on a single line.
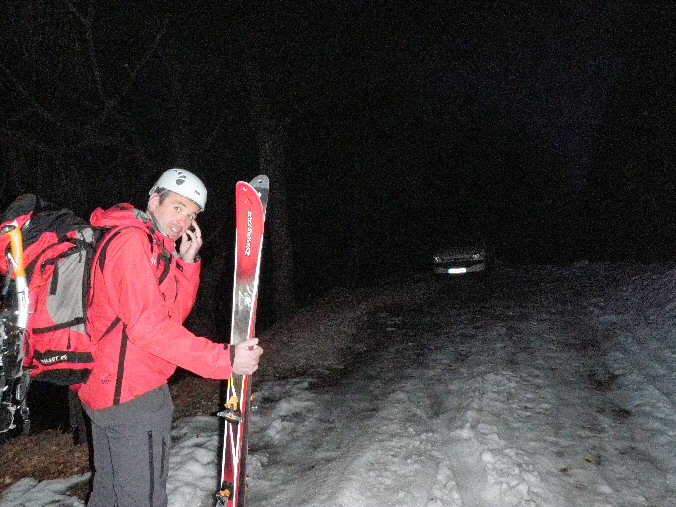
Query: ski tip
[[260, 182]]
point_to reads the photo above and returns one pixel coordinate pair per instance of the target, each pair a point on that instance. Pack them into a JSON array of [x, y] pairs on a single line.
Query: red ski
[[251, 202]]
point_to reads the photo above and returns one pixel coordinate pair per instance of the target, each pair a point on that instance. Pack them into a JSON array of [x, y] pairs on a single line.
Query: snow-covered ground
[[541, 386]]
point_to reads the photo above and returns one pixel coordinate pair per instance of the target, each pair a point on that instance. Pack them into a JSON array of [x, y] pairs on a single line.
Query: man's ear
[[153, 201]]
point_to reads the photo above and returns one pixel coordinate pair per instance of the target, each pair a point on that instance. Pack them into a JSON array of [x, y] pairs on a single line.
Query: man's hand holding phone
[[191, 242]]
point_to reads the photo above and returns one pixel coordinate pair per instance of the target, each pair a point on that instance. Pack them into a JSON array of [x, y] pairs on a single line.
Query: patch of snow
[[538, 386]]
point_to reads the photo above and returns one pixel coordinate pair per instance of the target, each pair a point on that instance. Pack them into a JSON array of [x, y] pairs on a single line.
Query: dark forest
[[386, 128]]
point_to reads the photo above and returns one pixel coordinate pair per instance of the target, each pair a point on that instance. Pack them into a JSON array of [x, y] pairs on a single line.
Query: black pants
[[131, 452]]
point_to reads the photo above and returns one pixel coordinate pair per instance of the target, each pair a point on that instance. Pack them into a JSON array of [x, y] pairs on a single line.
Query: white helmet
[[183, 183]]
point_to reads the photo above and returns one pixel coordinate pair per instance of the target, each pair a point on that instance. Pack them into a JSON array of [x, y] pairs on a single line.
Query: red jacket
[[142, 351]]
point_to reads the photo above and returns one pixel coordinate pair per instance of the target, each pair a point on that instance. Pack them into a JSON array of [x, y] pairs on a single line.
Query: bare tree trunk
[[78, 422], [271, 156], [269, 125], [350, 274]]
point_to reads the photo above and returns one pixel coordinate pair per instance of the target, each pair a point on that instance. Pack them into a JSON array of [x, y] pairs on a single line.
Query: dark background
[[388, 129]]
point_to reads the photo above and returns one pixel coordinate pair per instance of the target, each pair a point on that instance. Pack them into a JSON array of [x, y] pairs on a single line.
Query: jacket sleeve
[[134, 293]]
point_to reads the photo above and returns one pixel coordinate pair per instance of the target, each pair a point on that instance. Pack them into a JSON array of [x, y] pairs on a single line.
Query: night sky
[[394, 129]]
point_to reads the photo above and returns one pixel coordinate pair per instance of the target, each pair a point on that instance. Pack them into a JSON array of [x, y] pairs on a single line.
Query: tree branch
[[79, 16], [132, 78], [36, 106], [87, 23]]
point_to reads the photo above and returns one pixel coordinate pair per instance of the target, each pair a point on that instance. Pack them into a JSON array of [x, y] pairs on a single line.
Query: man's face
[[174, 215]]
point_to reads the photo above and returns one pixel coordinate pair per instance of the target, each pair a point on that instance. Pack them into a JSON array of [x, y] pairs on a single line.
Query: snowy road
[[482, 396], [542, 387]]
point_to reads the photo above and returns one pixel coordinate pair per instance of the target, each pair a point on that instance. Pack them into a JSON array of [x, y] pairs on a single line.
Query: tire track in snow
[[489, 471], [386, 431]]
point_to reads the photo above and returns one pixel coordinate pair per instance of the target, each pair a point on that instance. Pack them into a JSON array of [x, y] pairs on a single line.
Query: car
[[459, 260]]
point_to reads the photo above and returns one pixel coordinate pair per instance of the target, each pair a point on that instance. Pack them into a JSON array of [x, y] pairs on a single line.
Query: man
[[141, 297]]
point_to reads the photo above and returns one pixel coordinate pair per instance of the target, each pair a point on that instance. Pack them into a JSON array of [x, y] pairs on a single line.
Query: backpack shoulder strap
[[108, 237], [165, 256]]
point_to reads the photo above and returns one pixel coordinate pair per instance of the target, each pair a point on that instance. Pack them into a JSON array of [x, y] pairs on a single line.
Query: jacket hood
[[125, 215], [119, 215]]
